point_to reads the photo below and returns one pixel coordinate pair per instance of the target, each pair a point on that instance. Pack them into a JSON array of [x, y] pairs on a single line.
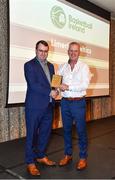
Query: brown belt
[[74, 98]]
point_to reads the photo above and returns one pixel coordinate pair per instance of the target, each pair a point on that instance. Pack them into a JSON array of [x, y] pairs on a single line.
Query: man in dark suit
[[38, 107]]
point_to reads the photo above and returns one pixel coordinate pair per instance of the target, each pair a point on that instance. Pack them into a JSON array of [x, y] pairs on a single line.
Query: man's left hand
[[64, 87]]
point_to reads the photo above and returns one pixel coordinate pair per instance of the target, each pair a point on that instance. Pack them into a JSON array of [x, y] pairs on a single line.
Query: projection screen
[[59, 23]]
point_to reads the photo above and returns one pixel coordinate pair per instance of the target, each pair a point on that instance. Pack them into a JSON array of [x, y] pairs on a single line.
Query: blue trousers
[[74, 110], [38, 129]]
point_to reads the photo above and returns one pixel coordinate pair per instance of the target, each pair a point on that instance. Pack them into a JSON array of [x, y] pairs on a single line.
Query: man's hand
[[54, 93], [64, 87]]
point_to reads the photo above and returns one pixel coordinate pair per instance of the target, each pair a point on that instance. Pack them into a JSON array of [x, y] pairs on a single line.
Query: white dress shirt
[[77, 79]]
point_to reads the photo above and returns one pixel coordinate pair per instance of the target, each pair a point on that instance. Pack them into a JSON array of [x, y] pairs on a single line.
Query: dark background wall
[[12, 122]]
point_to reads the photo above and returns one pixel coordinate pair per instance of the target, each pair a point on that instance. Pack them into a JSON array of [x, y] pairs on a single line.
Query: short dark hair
[[42, 42]]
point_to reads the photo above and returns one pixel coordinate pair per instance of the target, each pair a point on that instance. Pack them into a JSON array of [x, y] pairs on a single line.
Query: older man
[[76, 78]]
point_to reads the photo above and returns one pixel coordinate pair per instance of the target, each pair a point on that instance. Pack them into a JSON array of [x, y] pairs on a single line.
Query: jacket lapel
[[42, 71], [50, 70]]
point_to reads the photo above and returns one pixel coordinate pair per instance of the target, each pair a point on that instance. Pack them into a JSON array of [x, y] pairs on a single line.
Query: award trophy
[[56, 81]]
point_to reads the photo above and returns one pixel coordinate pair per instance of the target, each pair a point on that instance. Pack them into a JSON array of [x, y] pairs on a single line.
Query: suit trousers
[[74, 110], [38, 129]]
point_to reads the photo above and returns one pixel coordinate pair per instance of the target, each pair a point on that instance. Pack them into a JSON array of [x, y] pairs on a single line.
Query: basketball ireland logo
[[58, 17]]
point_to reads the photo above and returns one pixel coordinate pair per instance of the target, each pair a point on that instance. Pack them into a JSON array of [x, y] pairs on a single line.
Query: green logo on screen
[[58, 16]]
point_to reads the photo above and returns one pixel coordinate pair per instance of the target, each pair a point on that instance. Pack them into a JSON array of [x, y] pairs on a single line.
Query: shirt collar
[[76, 62], [41, 62]]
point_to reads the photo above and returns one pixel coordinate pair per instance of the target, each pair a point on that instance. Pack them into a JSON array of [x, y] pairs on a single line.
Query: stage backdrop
[[59, 23]]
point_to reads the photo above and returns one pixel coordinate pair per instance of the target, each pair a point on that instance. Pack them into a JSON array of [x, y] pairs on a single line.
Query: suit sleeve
[[33, 85]]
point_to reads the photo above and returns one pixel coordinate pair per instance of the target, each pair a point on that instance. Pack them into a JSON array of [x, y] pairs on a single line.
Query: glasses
[[42, 51]]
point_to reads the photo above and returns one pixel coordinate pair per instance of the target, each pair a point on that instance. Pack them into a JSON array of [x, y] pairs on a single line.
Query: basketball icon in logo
[[58, 17]]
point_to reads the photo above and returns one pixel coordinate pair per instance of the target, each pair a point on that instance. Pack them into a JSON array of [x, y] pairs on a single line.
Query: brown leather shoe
[[66, 160], [32, 169], [46, 161], [82, 164]]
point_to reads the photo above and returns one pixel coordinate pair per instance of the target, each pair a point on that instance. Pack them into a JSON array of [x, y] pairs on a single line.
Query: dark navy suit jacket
[[38, 86]]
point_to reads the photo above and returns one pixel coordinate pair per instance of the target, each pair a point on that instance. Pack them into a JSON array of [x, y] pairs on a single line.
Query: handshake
[[58, 86]]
